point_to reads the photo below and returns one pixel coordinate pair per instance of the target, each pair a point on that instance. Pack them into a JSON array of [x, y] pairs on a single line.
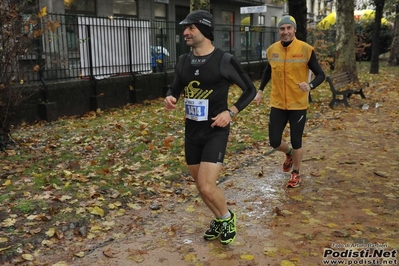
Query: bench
[[342, 87]]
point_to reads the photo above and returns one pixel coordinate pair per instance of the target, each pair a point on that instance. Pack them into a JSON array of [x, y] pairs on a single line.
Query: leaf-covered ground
[[111, 188]]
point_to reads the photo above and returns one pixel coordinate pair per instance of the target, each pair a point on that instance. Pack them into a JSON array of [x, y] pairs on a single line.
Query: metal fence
[[100, 47]]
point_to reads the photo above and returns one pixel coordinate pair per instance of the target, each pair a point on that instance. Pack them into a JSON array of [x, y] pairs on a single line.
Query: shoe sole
[[211, 237], [226, 242]]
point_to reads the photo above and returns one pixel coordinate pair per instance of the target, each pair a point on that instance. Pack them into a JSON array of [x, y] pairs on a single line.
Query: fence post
[[96, 101], [165, 87], [250, 73], [134, 93], [47, 110]]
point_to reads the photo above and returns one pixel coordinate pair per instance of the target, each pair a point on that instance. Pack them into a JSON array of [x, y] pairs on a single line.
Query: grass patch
[[4, 197], [24, 206]]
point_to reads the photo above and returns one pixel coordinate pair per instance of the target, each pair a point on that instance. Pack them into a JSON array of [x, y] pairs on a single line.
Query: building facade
[[150, 29]]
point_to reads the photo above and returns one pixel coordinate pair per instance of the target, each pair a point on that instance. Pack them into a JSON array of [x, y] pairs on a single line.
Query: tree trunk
[[200, 4], [375, 44], [394, 55], [345, 58], [297, 9]]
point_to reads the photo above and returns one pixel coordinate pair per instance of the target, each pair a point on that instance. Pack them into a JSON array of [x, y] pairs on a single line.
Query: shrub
[[364, 33]]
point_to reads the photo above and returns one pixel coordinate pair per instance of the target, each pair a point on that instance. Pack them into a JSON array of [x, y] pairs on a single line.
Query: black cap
[[199, 17]]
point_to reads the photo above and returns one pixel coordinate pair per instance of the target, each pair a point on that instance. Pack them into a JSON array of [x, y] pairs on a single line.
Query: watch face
[[231, 113]]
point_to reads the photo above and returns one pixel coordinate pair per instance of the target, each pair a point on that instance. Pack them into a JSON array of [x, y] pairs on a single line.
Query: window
[[160, 11], [312, 6], [228, 29], [261, 20], [273, 22], [80, 6], [227, 17], [125, 7]]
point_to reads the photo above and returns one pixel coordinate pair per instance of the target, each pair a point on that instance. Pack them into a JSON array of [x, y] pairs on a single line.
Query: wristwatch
[[311, 86], [232, 114]]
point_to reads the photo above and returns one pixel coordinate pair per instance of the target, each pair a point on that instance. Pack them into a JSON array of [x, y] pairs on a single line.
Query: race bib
[[196, 109]]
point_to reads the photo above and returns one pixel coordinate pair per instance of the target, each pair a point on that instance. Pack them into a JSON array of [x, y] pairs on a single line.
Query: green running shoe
[[228, 230], [214, 230]]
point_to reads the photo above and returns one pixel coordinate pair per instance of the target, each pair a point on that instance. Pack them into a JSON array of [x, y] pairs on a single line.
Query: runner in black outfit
[[205, 75]]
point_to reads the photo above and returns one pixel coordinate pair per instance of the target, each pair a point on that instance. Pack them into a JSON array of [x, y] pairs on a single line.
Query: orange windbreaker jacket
[[289, 67]]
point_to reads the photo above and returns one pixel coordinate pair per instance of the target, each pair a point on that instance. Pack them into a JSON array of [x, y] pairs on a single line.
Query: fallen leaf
[[278, 212], [110, 253], [60, 263], [369, 212], [136, 258], [5, 248], [134, 206], [270, 251], [8, 222], [286, 263], [50, 232], [28, 257], [247, 257], [190, 257], [332, 225], [340, 234], [381, 174], [190, 208], [96, 211], [80, 254]]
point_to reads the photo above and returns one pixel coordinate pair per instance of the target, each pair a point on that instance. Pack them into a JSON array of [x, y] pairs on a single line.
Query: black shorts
[[210, 150], [278, 120]]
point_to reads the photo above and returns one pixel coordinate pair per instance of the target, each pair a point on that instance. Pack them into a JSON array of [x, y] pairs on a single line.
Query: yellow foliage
[[42, 12], [358, 15]]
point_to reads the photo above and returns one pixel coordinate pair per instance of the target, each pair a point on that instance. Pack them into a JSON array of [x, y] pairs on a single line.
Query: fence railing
[[100, 47]]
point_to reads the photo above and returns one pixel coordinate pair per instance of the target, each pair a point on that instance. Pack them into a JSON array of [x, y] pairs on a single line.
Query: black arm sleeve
[[176, 88], [315, 67], [266, 76], [233, 71]]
